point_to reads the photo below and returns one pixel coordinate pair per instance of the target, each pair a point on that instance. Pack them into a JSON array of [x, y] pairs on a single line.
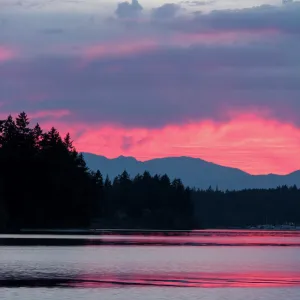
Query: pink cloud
[[137, 45], [119, 48], [6, 54], [248, 142]]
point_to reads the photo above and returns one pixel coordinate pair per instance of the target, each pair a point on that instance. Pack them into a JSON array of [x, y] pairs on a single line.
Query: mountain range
[[193, 172]]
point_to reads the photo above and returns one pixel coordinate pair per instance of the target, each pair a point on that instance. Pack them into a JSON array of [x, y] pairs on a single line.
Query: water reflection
[[201, 280], [193, 238], [210, 266], [204, 280]]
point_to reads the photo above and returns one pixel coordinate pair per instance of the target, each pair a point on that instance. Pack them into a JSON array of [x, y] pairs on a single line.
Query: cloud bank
[[133, 70]]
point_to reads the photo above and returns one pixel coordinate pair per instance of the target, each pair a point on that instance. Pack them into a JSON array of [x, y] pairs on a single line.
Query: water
[[260, 267]]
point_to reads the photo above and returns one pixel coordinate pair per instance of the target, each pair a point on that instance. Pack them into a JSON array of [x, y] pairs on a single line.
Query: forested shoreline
[[45, 183]]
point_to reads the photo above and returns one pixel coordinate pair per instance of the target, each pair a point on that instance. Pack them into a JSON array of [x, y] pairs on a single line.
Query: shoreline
[[164, 232], [202, 238], [142, 232]]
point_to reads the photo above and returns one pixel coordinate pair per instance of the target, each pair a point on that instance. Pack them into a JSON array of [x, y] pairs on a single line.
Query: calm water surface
[[260, 267]]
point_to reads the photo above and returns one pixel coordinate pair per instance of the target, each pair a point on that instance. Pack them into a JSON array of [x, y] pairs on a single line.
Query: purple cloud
[[189, 69]]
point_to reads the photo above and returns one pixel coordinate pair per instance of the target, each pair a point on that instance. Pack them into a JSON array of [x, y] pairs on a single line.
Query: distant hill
[[193, 172]]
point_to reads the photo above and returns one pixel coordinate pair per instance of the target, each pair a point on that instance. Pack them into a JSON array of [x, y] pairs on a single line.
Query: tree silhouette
[[45, 183]]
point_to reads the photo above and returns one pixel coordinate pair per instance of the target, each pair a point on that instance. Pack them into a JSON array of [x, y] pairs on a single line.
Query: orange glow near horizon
[[247, 142]]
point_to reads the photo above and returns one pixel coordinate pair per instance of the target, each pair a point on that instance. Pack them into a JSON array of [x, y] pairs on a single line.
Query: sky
[[212, 79]]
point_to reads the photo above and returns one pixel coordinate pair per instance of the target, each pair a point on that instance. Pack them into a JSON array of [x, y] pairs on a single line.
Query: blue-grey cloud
[[198, 3], [129, 10], [283, 18], [166, 11]]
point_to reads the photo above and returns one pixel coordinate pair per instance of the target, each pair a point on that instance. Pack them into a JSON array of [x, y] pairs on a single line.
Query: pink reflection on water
[[201, 280], [209, 237], [168, 238]]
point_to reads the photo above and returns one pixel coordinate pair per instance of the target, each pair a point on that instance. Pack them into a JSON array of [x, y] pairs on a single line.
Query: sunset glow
[[240, 143]]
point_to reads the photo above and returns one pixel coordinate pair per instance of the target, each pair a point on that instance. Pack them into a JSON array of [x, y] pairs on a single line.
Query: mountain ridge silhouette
[[194, 172]]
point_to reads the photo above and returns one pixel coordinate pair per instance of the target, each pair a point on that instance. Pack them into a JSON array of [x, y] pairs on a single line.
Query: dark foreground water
[[212, 265]]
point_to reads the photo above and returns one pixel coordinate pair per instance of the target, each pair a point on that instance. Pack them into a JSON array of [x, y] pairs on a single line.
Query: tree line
[[45, 183], [246, 208]]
